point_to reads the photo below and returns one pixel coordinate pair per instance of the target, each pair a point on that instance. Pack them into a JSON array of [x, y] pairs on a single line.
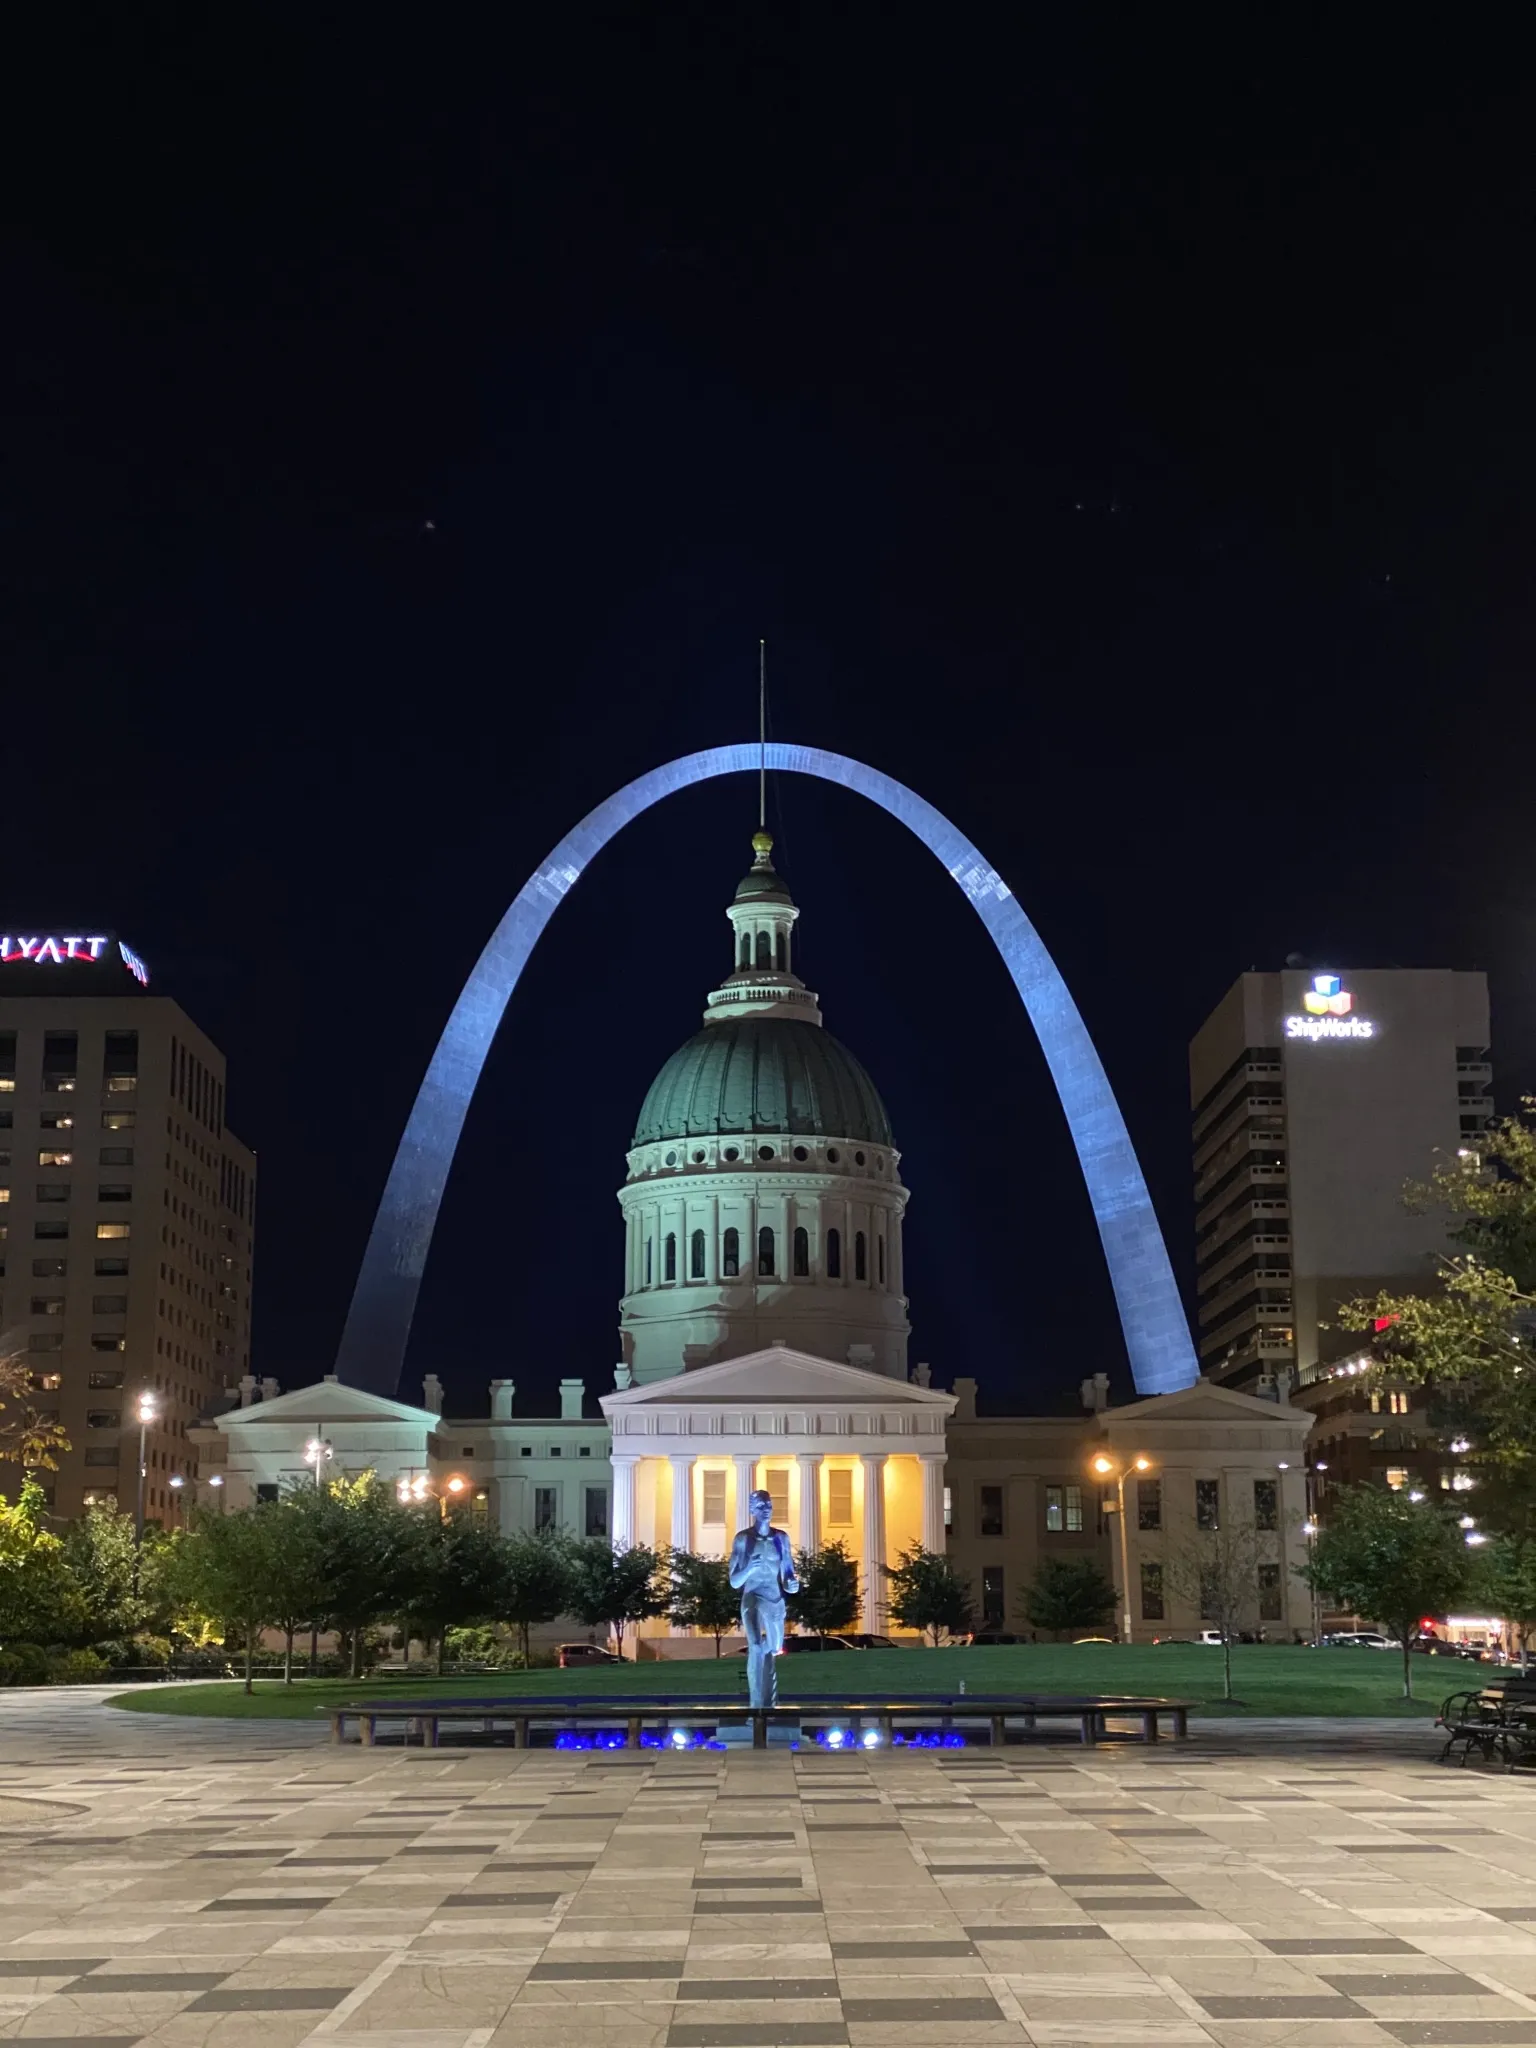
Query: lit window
[[5, 1194], [57, 1120], [122, 1084], [1376, 1404], [776, 1480], [1064, 1509], [840, 1498], [713, 1508], [104, 1230], [949, 1508], [1397, 1477], [1462, 1482], [119, 1119], [55, 1158], [1398, 1403]]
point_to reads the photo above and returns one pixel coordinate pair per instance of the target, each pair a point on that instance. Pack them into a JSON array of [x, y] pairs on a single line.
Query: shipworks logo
[[1328, 1005], [1327, 997]]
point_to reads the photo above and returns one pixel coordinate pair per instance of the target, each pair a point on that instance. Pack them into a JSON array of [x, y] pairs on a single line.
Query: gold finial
[[762, 847]]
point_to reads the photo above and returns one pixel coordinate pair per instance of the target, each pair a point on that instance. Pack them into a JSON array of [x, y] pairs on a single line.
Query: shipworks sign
[[1329, 1012]]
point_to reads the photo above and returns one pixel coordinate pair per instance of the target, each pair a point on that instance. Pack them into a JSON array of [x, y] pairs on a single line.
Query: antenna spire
[[762, 735]]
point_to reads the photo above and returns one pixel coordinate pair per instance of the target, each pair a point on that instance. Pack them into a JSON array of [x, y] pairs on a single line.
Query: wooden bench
[[519, 1716], [1496, 1719]]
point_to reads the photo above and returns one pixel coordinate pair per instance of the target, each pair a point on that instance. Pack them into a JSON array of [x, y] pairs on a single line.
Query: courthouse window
[[1149, 1511], [777, 1482], [1064, 1509], [1207, 1503], [1271, 1606], [840, 1498], [1151, 1591], [1266, 1504], [991, 1504], [713, 1510]]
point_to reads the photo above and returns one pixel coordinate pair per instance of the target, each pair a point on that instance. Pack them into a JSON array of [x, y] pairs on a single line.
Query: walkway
[[224, 1885]]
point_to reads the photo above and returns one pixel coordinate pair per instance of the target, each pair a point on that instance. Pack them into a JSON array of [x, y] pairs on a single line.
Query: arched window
[[880, 1259], [696, 1256], [765, 1253], [860, 1261], [730, 1257], [780, 951], [746, 949], [647, 1262], [802, 1254], [834, 1255], [764, 954], [669, 1256]]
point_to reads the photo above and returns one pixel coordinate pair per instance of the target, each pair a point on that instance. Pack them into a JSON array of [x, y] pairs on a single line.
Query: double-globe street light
[[1105, 1467]]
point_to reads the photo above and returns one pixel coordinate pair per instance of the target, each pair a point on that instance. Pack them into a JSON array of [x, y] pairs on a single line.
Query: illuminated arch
[[384, 1301]]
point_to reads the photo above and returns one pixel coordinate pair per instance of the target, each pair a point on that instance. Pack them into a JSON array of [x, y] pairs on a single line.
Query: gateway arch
[[378, 1323]]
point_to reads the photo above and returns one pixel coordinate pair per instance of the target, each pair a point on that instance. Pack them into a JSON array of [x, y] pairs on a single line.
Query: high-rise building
[[1316, 1098], [126, 1211]]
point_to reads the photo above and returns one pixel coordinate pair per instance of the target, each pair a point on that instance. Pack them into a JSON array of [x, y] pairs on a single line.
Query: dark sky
[[1126, 441]]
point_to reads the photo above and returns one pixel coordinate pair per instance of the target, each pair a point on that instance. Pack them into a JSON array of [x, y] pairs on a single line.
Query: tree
[[1390, 1559], [1216, 1571], [1504, 1578], [1068, 1592], [610, 1587], [1466, 1338], [928, 1593], [27, 1437], [828, 1599], [365, 1537], [99, 1551], [298, 1588], [700, 1594], [39, 1600], [227, 1569], [457, 1575], [536, 1581]]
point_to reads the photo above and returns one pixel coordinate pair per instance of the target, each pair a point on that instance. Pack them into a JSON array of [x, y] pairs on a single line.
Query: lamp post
[[1104, 1467], [318, 1452], [148, 1407], [216, 1481]]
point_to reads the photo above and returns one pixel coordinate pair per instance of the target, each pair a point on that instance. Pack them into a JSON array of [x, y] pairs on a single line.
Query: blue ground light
[[833, 1739]]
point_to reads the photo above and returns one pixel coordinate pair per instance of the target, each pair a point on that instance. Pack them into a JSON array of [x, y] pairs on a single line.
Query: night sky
[[1126, 442]]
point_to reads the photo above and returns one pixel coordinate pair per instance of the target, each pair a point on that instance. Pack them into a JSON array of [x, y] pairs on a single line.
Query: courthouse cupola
[[763, 1199]]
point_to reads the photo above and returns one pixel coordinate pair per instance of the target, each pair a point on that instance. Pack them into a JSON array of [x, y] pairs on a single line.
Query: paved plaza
[[234, 1884]]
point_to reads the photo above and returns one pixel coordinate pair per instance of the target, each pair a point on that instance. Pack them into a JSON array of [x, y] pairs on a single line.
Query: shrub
[[150, 1650], [77, 1667], [24, 1664]]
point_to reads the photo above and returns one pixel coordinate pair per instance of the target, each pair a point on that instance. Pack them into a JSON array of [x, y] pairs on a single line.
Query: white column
[[874, 1541], [810, 1500], [746, 1479], [623, 1509], [682, 1499], [933, 1500]]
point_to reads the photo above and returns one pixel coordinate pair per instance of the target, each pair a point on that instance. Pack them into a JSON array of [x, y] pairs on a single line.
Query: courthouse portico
[[848, 1455]]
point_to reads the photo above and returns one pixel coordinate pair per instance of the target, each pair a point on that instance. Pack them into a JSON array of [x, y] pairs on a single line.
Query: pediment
[[780, 1374], [328, 1403], [1204, 1402]]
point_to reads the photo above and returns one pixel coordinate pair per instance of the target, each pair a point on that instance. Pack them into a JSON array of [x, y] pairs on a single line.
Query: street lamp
[[216, 1480], [1104, 1467], [318, 1452], [148, 1408]]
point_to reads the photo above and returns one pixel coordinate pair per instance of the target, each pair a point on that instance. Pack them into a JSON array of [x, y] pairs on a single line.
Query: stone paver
[[244, 1885]]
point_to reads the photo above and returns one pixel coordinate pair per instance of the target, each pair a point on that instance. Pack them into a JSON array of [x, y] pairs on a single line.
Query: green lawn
[[1266, 1680]]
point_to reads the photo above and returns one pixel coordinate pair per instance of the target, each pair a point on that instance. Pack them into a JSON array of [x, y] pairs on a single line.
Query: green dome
[[763, 1074]]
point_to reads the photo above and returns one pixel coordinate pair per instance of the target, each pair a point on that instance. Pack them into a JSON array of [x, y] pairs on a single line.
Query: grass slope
[[1266, 1680]]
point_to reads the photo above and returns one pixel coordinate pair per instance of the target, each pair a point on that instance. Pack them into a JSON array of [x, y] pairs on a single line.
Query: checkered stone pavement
[[218, 1884]]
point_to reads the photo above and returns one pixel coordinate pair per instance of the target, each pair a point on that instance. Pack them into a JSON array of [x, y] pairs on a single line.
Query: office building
[[1316, 1098], [126, 1212]]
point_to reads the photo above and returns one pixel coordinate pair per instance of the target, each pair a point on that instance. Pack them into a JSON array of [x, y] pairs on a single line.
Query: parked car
[[794, 1645], [865, 1642], [1360, 1639], [573, 1654]]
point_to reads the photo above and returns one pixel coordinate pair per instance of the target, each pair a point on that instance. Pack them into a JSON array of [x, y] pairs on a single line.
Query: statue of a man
[[762, 1571]]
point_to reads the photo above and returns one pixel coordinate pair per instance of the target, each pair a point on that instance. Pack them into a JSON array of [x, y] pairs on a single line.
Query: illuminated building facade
[[126, 1214], [1316, 1097]]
